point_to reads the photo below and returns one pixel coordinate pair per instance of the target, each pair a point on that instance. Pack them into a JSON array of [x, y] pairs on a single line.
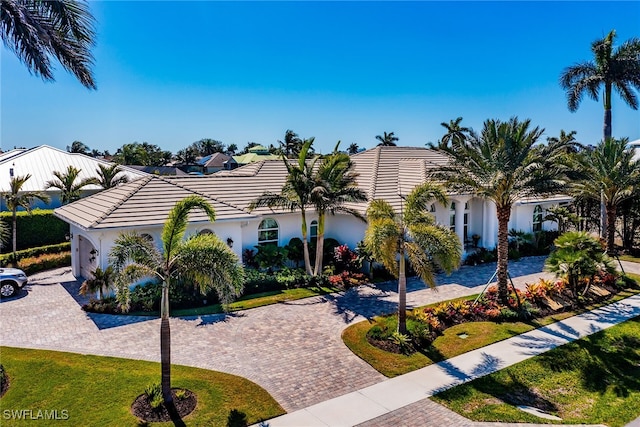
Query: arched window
[[313, 230], [205, 231], [268, 232], [147, 237], [537, 218]]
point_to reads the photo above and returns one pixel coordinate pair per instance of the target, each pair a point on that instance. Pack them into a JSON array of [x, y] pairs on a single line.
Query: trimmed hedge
[[40, 228], [31, 265], [35, 252]]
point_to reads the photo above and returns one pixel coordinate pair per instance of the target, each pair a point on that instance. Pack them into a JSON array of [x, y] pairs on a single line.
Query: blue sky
[[173, 72]]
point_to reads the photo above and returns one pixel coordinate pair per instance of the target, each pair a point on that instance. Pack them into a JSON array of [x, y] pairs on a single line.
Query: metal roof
[[43, 160]]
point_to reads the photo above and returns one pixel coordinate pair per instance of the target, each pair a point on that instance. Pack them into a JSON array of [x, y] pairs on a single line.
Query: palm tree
[[387, 139], [353, 148], [295, 193], [611, 173], [501, 164], [456, 134], [101, 281], [36, 30], [292, 144], [78, 147], [412, 234], [203, 259], [614, 68], [578, 256], [334, 186], [108, 176], [16, 198], [68, 184]]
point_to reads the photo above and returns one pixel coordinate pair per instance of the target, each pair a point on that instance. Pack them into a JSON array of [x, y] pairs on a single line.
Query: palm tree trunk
[[14, 235], [165, 345], [611, 227], [305, 245], [402, 294], [607, 111], [504, 213], [319, 245]]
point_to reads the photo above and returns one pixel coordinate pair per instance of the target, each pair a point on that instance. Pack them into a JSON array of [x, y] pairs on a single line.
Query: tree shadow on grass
[[603, 362]]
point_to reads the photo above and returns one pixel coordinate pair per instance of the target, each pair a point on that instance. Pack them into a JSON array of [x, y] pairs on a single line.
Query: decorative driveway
[[294, 350]]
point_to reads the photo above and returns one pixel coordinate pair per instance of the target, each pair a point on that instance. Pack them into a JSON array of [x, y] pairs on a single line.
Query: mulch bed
[[142, 409]]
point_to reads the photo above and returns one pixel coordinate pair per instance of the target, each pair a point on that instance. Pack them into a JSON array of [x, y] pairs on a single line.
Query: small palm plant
[[101, 281], [578, 257], [69, 184]]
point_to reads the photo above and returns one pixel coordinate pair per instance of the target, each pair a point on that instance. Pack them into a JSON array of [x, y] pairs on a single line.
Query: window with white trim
[[537, 218], [268, 232]]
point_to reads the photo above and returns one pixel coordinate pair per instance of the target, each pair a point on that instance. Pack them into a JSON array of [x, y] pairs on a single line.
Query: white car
[[11, 281]]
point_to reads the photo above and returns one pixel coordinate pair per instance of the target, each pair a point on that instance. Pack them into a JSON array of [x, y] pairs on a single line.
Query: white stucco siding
[[346, 229]]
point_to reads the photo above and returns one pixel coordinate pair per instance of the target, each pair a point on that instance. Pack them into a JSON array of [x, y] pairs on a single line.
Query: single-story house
[[40, 162], [383, 172]]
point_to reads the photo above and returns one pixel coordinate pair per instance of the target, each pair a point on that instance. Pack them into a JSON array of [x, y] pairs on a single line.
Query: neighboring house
[[384, 172], [159, 170], [255, 154], [216, 162], [41, 162]]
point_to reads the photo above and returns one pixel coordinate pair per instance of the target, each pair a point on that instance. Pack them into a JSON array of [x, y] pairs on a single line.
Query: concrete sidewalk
[[378, 400]]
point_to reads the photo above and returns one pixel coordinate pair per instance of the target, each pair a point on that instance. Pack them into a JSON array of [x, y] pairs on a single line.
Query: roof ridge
[[374, 175], [200, 193], [140, 183]]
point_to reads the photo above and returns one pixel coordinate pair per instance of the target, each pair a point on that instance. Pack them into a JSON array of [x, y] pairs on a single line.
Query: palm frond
[[176, 225]]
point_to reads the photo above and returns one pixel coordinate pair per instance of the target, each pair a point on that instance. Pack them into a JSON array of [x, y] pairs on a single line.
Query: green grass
[[449, 344], [100, 390], [248, 301], [629, 258], [594, 380]]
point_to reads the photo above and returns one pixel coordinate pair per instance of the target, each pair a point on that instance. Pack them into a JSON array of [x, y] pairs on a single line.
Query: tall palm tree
[[411, 234], [456, 134], [353, 148], [611, 68], [36, 30], [334, 186], [16, 198], [387, 139], [108, 176], [502, 164], [610, 171], [68, 184], [295, 193], [204, 259]]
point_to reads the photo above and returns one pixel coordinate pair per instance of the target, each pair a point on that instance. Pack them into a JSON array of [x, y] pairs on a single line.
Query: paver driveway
[[293, 350]]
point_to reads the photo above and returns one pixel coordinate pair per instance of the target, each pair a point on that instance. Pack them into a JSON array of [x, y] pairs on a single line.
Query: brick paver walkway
[[293, 349]]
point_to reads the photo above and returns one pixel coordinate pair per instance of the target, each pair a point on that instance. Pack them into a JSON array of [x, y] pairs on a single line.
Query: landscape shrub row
[[35, 252], [39, 228], [31, 265]]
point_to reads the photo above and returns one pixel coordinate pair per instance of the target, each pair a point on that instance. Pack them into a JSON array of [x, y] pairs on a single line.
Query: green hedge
[[44, 262], [40, 228], [34, 252]]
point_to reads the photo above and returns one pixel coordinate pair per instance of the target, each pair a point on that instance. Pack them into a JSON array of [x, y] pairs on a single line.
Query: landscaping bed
[[440, 331]]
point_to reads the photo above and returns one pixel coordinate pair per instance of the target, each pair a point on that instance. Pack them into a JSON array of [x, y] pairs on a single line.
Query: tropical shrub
[[295, 251], [35, 252], [345, 259], [31, 265], [270, 257]]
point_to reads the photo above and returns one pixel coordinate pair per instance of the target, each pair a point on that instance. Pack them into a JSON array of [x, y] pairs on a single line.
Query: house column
[[460, 202], [490, 226]]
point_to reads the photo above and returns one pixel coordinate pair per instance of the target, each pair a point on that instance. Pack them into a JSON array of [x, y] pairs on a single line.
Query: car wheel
[[7, 289]]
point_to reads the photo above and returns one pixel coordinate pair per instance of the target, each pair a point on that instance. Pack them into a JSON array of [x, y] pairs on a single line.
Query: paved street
[[293, 350]]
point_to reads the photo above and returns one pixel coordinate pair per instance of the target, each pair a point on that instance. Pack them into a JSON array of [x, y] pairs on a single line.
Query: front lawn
[[97, 390], [594, 380], [454, 341]]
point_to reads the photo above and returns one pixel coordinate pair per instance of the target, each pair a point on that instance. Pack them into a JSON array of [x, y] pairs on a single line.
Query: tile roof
[[215, 160], [383, 173], [144, 202], [43, 160]]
